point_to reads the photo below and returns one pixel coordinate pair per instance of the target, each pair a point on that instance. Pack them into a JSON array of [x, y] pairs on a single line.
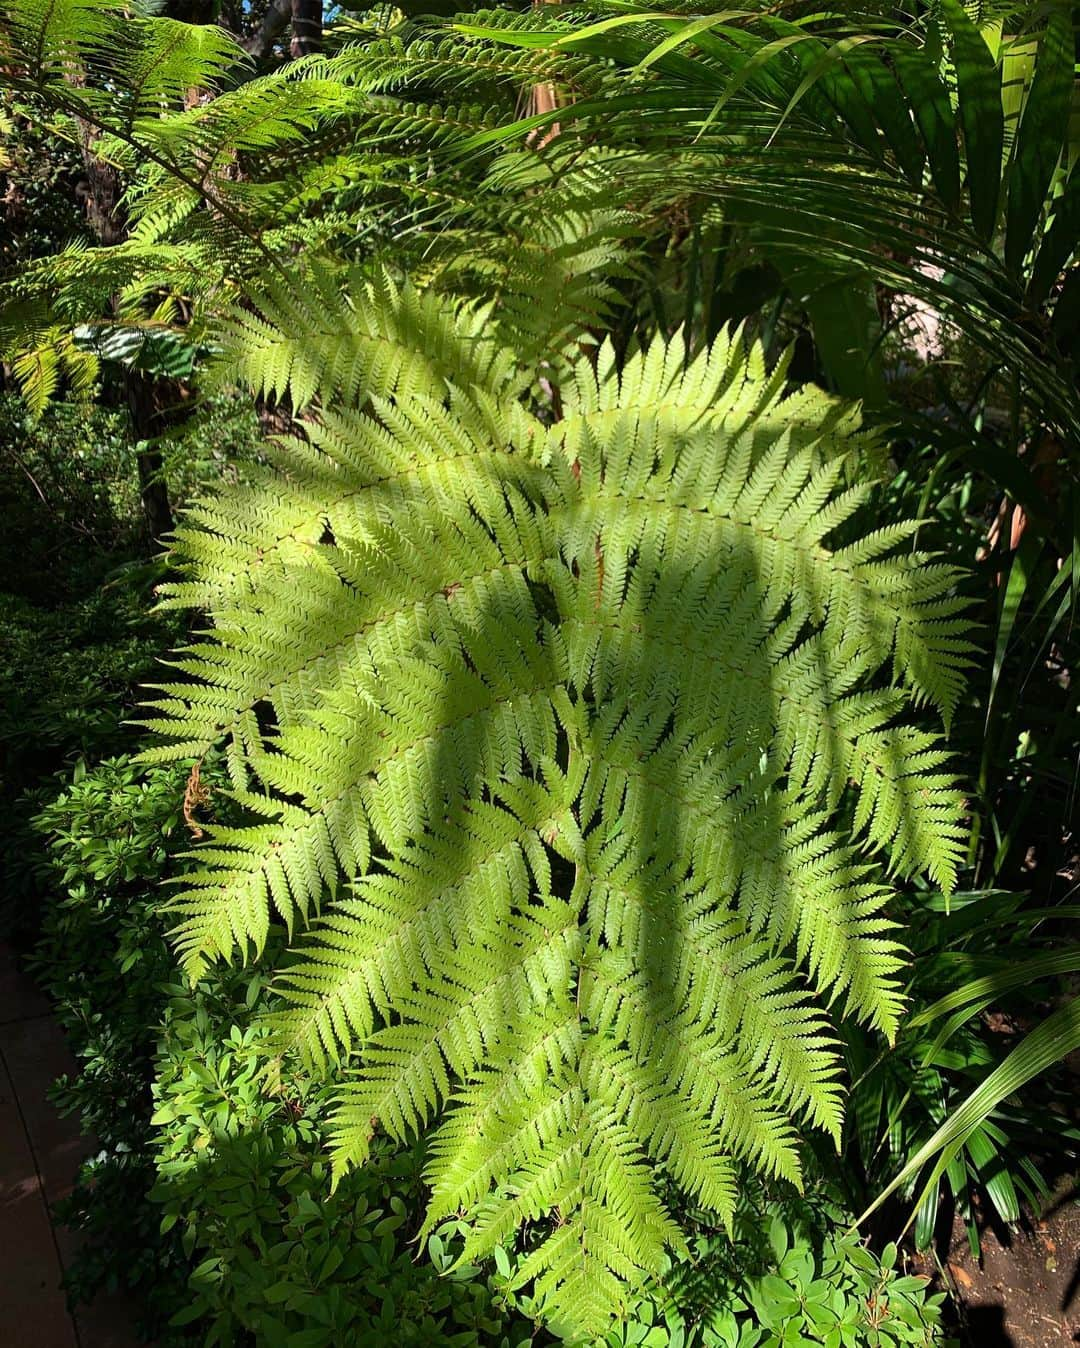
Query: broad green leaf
[[926, 1219], [843, 314], [840, 90], [760, 58], [1061, 241], [686, 32], [521, 37], [882, 95], [983, 991], [994, 1175], [1057, 1036], [978, 81], [929, 101], [1017, 70], [1039, 140], [1023, 563], [841, 305]]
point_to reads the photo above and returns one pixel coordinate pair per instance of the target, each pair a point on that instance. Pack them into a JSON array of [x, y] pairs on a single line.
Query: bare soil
[[1025, 1291]]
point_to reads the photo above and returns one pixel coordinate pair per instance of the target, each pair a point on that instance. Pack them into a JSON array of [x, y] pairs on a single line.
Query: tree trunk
[[306, 18], [150, 404], [103, 191], [145, 400]]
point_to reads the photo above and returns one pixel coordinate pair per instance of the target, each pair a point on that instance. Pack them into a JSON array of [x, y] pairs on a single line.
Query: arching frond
[[580, 756]]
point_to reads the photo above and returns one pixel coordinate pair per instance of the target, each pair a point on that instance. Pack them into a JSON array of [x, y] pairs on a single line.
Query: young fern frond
[[579, 757]]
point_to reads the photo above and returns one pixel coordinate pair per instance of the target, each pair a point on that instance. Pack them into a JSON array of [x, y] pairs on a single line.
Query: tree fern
[[354, 155], [573, 744]]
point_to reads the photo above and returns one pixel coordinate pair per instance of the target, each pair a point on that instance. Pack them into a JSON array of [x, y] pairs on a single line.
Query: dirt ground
[[1026, 1293]]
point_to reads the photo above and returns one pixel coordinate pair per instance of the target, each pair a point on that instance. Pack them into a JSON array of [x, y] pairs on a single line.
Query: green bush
[[285, 1258], [218, 443], [69, 486], [791, 1273], [77, 626], [102, 958], [242, 1175], [66, 687], [241, 1234], [241, 1204], [995, 943], [793, 1276], [40, 209], [66, 679], [69, 491], [282, 1256], [210, 1198]]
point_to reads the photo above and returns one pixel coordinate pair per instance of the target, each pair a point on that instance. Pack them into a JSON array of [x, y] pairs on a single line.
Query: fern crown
[[602, 735]]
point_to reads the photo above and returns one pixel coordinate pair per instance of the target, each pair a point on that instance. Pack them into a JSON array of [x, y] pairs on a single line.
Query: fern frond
[[595, 725], [368, 339]]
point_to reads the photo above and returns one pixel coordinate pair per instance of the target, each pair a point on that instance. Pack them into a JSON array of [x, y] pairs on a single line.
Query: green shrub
[[281, 1256], [66, 686], [40, 209], [792, 1276], [210, 1198], [107, 838], [241, 1234], [219, 443], [69, 491], [971, 952], [66, 681], [242, 1175], [69, 486]]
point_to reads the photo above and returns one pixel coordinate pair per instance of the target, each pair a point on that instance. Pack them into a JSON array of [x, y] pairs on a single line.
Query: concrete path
[[39, 1155]]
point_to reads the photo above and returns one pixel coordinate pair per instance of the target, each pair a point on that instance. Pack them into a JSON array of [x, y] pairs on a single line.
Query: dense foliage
[[573, 707], [543, 848], [211, 1198]]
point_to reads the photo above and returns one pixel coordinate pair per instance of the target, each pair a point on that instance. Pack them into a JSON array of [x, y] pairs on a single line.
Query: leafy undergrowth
[[210, 1197]]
